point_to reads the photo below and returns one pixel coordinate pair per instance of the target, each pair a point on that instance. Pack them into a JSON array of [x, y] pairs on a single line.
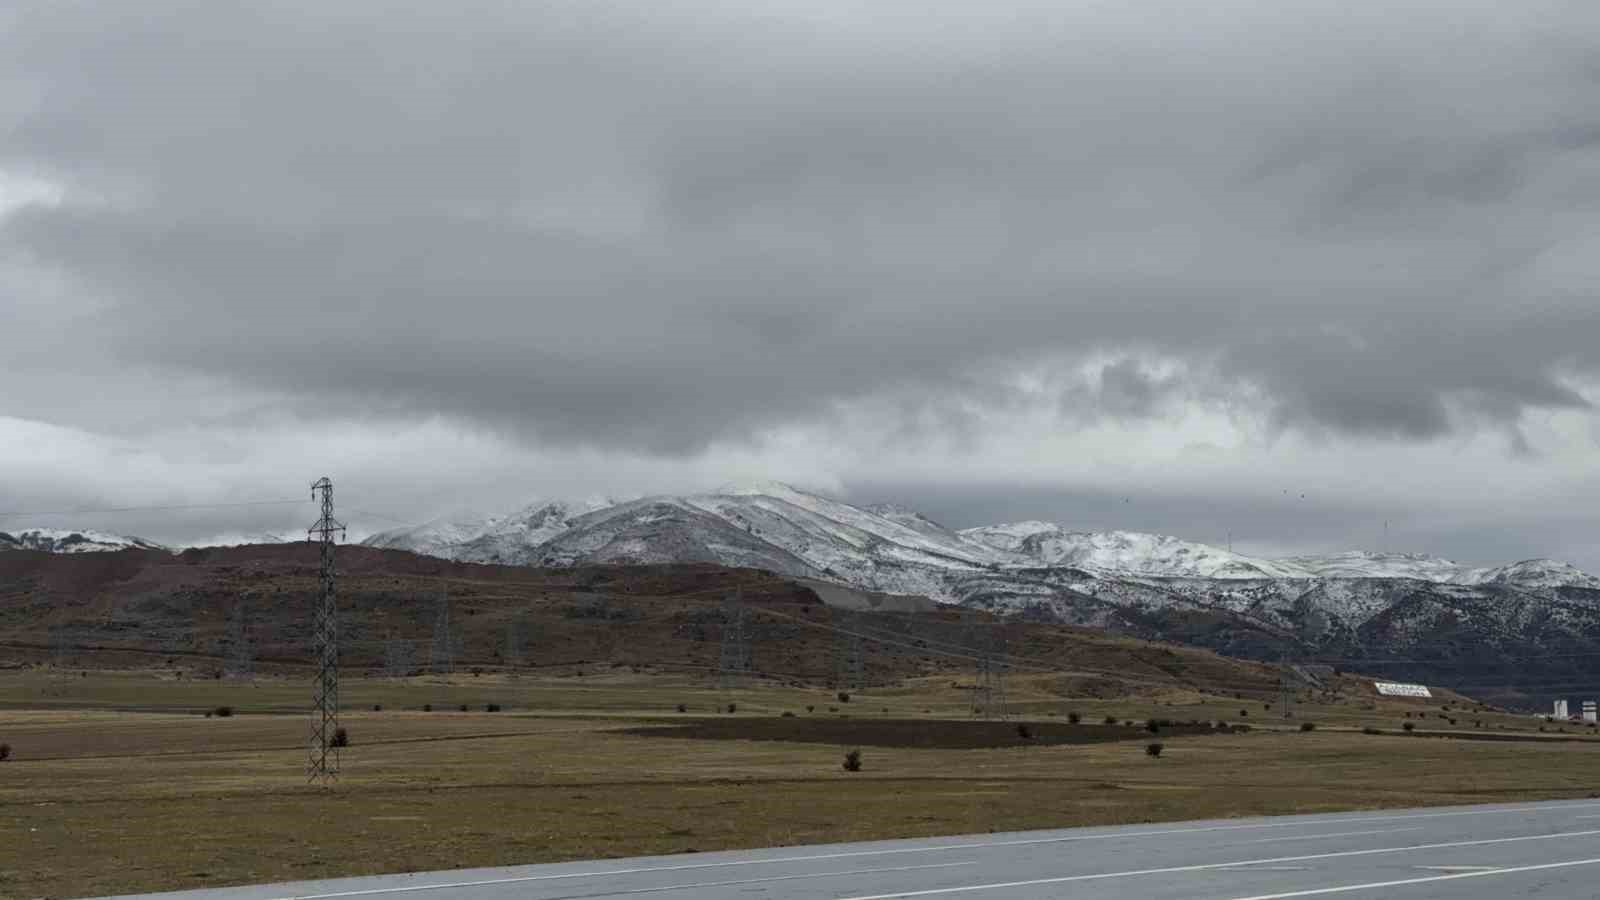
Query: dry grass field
[[118, 781]]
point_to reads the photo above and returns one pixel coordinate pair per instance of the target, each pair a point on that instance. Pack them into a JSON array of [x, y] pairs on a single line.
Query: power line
[[119, 509]]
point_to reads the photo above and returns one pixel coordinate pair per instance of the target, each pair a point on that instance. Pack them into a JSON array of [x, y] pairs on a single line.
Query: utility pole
[[241, 662], [734, 659], [323, 766], [441, 655]]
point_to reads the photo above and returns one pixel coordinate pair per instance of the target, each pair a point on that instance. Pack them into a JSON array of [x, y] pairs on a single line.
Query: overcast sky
[[1282, 269]]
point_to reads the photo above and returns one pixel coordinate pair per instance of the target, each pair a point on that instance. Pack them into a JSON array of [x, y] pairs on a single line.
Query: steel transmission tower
[[441, 653], [241, 662], [397, 657], [849, 653], [1285, 696], [735, 658], [989, 657], [324, 762]]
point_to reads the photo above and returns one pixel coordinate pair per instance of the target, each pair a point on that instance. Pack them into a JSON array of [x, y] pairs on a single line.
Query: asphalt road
[[1548, 850]]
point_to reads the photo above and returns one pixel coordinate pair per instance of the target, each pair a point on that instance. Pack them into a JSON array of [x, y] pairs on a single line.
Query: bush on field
[[1308, 726], [1370, 730], [1074, 718], [733, 707], [491, 707], [852, 761], [427, 707], [341, 738], [223, 711], [1153, 749], [844, 696], [1111, 720], [1024, 732], [1412, 726], [5, 752], [683, 707]]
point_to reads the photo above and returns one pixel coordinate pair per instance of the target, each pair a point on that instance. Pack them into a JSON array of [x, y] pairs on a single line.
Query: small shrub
[[1153, 749], [787, 714], [811, 709], [5, 752], [1222, 725], [844, 696], [1024, 732], [377, 707], [833, 709], [1152, 726], [1308, 726], [1412, 726], [427, 707], [463, 707], [491, 707], [1370, 730], [341, 738], [683, 707], [1452, 721], [852, 761], [1244, 713], [733, 707], [223, 711], [1074, 718], [1111, 720]]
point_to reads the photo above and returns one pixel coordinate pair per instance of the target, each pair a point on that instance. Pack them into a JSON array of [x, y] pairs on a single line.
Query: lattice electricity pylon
[[398, 657], [442, 650], [516, 648], [241, 659], [735, 657], [987, 641], [323, 766]]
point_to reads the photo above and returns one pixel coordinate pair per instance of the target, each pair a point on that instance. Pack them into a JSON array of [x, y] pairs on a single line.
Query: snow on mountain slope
[[442, 537], [57, 540], [895, 550], [514, 538], [660, 530], [1125, 551]]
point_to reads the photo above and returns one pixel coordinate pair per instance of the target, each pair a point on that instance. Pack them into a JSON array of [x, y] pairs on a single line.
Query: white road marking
[[1268, 869], [656, 888], [1457, 868], [1201, 867], [1374, 885], [1311, 837], [937, 848], [663, 888]]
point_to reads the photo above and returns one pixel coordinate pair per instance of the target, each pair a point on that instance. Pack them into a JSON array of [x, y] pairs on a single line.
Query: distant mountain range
[[54, 540], [1532, 623], [890, 548]]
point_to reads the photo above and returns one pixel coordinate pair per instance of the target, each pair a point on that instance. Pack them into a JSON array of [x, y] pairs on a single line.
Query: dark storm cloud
[[650, 227]]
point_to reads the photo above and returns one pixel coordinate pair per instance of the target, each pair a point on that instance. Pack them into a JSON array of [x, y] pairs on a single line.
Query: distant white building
[[1561, 709], [1589, 712]]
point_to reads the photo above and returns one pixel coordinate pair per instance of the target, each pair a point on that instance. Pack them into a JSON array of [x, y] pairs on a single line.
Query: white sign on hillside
[[1390, 689]]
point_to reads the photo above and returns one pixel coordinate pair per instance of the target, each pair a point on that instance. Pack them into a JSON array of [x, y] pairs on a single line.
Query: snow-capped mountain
[[58, 540], [897, 550], [1457, 619]]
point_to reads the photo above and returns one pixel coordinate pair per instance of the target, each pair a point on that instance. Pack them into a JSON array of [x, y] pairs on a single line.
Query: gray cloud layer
[[651, 228]]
